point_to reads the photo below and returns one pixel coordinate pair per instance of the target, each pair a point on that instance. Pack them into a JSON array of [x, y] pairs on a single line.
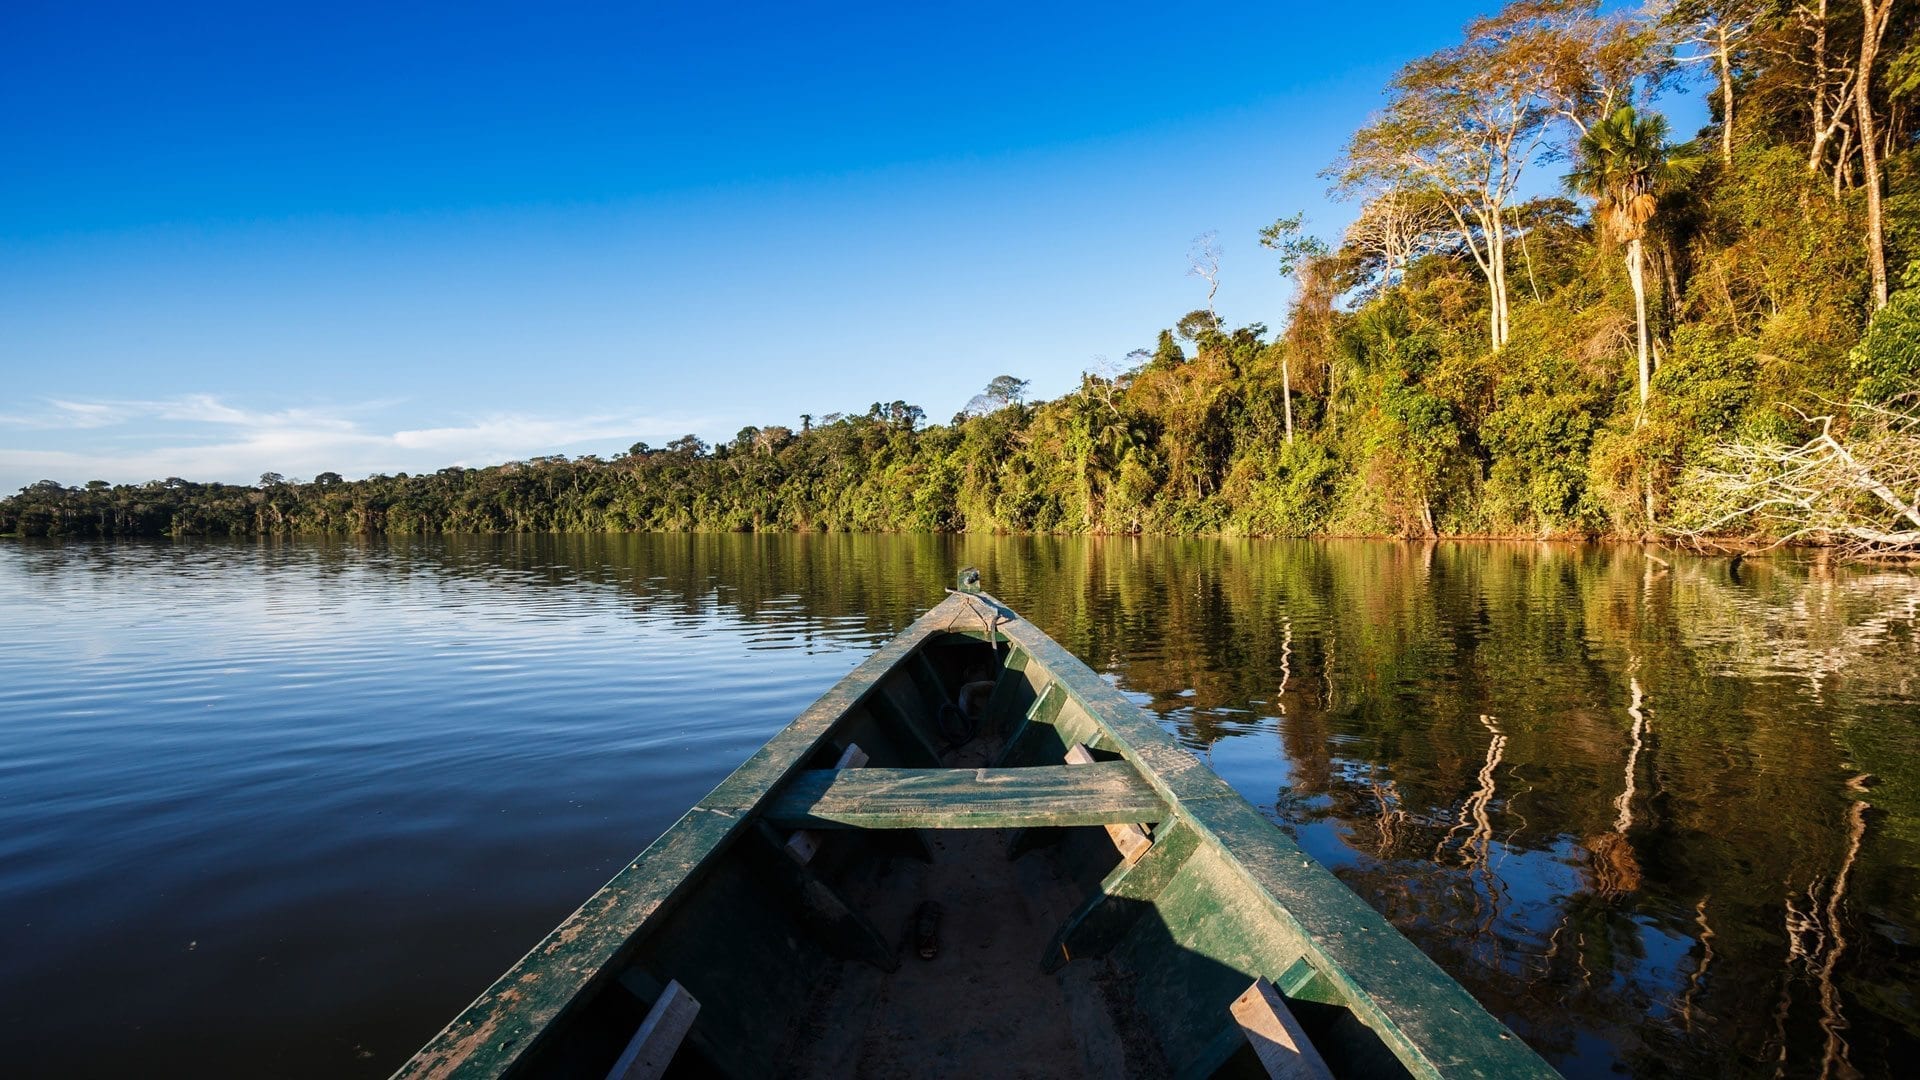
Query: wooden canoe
[[1106, 906]]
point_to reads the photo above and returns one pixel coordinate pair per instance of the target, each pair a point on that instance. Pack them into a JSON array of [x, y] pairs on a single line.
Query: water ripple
[[324, 792]]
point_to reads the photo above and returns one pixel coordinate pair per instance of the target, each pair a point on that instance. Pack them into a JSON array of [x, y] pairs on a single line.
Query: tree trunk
[[1865, 480], [1876, 15], [1840, 160], [1497, 249], [1637, 274], [1526, 253], [1492, 262], [1286, 395], [1489, 261], [1828, 115], [1726, 98], [1493, 311], [1820, 128], [1668, 267]]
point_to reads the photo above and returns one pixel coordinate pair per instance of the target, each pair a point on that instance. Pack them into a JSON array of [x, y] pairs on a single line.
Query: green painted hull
[[1059, 956]]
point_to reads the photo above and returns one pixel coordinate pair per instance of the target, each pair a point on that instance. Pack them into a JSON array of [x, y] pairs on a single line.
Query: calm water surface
[[283, 809]]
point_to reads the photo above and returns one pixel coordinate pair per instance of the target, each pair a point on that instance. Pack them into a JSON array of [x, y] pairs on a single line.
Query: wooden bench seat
[[1101, 793]]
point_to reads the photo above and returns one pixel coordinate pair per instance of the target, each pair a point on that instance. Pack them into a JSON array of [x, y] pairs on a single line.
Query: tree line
[[1641, 352]]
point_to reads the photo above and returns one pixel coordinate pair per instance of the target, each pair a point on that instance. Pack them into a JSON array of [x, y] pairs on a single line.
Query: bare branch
[[1203, 261], [1842, 489]]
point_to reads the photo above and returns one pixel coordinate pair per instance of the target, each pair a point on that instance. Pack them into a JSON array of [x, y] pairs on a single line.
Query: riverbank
[[88, 527], [57, 524]]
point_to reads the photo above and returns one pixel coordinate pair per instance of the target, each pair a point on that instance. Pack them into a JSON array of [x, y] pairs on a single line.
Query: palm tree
[[1625, 165]]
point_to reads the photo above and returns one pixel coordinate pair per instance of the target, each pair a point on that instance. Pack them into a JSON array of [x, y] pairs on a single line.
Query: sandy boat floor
[[982, 1007]]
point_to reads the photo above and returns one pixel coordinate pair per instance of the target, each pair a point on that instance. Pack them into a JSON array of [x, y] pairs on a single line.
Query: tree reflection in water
[[1663, 819], [1623, 798]]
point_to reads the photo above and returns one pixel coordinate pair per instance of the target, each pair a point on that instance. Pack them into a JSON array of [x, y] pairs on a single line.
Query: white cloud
[[518, 431], [72, 416], [201, 437], [88, 414]]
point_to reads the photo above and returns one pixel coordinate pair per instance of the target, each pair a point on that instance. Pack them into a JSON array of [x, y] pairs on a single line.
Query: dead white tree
[[1828, 82], [1715, 32], [1203, 262], [1858, 491]]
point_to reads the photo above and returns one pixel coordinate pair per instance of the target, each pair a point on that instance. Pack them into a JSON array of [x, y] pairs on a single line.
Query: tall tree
[[1298, 252], [1001, 391], [1463, 124], [1624, 164], [1716, 31], [1591, 60], [1875, 14], [1801, 42]]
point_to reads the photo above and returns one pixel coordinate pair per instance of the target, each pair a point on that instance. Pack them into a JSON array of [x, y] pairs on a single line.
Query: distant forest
[[1711, 338]]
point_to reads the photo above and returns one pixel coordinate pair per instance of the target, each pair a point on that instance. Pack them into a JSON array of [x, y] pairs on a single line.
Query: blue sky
[[292, 238]]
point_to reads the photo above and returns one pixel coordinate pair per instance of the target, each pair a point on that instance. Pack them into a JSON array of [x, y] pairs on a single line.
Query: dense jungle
[[1550, 317]]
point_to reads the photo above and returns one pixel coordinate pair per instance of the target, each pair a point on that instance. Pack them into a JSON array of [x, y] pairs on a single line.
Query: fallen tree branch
[[1842, 490]]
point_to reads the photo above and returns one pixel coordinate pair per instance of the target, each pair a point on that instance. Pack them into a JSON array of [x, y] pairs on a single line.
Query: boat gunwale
[[510, 1019], [1380, 974]]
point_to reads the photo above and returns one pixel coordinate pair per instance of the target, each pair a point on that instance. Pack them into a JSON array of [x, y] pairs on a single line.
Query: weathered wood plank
[[1124, 896], [651, 1050], [804, 844], [1034, 723], [1303, 982], [1099, 794], [646, 989], [1130, 838], [1075, 724], [1010, 690], [1277, 1039], [1430, 1021], [844, 931], [889, 712]]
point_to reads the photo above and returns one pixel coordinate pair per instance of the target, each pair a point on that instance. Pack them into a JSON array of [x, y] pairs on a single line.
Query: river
[[281, 809]]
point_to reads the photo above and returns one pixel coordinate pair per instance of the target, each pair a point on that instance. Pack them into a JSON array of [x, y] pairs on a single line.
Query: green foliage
[[1287, 237], [1624, 164], [1887, 360], [1287, 491], [1753, 270], [1707, 383], [1539, 438], [1780, 260], [1703, 393]]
